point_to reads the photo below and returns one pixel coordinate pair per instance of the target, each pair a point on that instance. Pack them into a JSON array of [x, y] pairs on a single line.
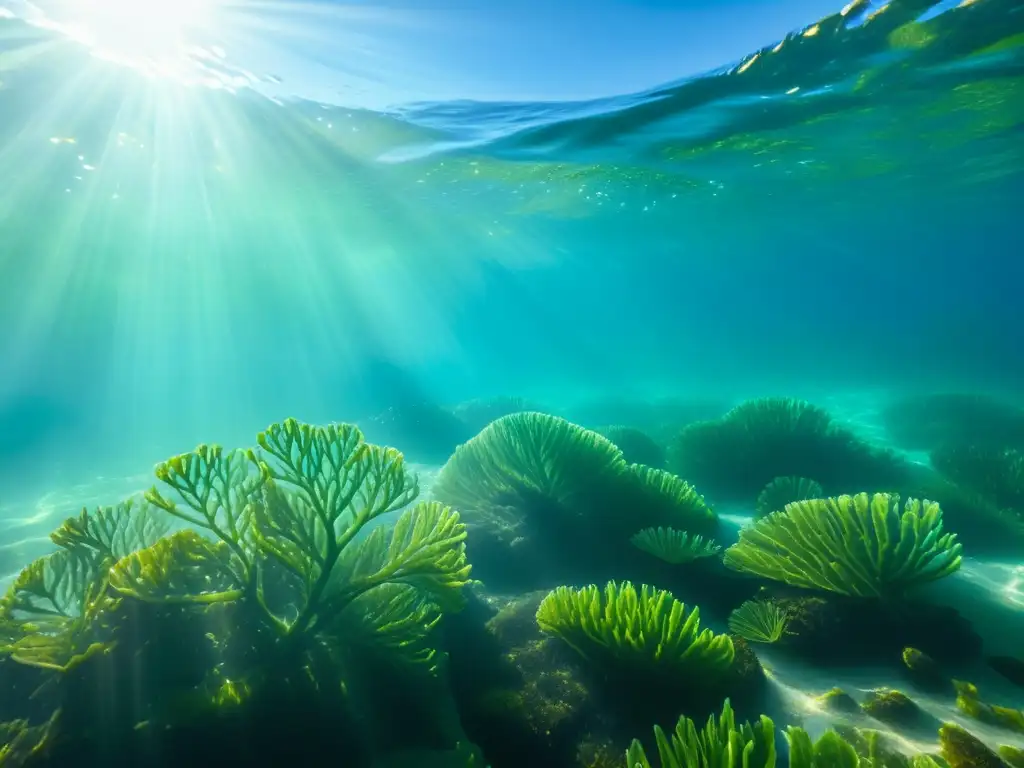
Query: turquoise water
[[835, 217]]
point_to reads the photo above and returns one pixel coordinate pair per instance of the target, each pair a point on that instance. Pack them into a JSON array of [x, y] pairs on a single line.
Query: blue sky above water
[[517, 50]]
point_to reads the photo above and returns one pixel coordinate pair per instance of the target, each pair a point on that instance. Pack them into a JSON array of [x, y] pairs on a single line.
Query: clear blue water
[[838, 212], [835, 217]]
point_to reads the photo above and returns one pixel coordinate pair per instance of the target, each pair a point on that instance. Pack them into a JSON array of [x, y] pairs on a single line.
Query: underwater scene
[[346, 426]]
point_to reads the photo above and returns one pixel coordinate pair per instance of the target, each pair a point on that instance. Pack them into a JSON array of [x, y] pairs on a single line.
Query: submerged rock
[[960, 749], [837, 629], [838, 701], [896, 709], [925, 672], [1009, 667]]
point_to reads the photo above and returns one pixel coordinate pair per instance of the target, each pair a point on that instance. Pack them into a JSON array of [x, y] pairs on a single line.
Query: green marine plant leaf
[[395, 619], [736, 456], [830, 751], [425, 548], [113, 532], [52, 609], [645, 629], [673, 499], [720, 744], [637, 446], [522, 456], [181, 568], [785, 490], [674, 546], [336, 484], [853, 545], [759, 621], [996, 474], [19, 741], [218, 489]]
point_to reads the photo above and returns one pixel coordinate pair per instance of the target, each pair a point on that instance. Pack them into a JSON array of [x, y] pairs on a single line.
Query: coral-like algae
[[785, 490], [645, 629], [720, 744], [759, 621], [734, 457], [853, 545], [675, 547]]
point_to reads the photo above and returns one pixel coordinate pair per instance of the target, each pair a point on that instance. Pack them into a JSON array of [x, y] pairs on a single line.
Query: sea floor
[[988, 593]]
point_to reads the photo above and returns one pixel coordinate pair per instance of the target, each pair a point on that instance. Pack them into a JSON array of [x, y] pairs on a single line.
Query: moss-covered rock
[[960, 749], [522, 699], [896, 709], [1014, 756], [836, 629], [838, 701], [968, 701], [924, 672]]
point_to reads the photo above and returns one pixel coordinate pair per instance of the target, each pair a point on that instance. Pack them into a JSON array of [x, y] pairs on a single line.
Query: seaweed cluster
[[299, 598], [256, 564], [975, 444]]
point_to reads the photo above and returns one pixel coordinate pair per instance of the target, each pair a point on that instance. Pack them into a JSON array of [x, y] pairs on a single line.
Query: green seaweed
[[784, 490], [720, 744], [734, 457], [853, 545], [674, 546], [759, 621], [648, 629]]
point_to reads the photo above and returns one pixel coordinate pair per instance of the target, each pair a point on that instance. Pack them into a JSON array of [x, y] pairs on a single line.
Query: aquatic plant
[[783, 490], [53, 613], [924, 422], [720, 744], [660, 495], [854, 545], [644, 630], [759, 621], [272, 537], [674, 546], [736, 456], [520, 458], [996, 474], [637, 446], [296, 506], [540, 474]]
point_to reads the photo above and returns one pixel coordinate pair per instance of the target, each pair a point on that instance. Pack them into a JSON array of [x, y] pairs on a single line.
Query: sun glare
[[151, 31]]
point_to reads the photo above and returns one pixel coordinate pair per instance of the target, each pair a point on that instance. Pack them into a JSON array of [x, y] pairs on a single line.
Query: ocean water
[[188, 258]]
